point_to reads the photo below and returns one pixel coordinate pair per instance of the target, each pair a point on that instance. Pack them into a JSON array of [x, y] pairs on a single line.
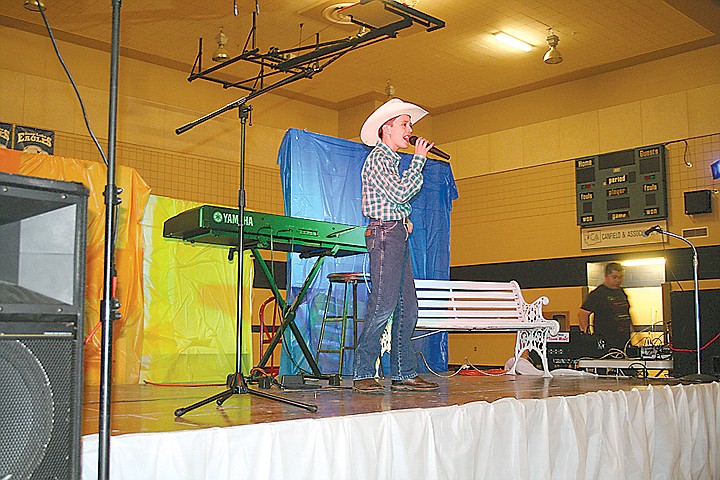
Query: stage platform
[[473, 427]]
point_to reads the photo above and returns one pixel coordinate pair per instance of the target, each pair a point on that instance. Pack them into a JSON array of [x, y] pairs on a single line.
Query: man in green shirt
[[385, 201]]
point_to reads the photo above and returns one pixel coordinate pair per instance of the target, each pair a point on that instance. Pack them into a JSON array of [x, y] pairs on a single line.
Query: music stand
[[236, 383]]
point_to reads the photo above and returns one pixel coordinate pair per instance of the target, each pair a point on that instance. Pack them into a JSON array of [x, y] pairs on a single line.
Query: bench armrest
[[532, 312]]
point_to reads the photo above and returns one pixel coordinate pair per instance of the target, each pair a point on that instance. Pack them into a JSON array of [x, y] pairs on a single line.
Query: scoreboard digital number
[[621, 187]]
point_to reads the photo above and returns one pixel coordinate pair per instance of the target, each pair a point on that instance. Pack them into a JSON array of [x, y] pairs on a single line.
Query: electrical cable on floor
[[465, 367], [491, 372], [264, 374], [436, 373]]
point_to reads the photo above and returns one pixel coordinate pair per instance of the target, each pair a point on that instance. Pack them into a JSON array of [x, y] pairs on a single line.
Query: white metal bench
[[468, 306]]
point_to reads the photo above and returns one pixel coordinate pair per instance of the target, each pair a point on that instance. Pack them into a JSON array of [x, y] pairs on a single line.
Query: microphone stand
[[698, 377], [109, 305], [236, 383]]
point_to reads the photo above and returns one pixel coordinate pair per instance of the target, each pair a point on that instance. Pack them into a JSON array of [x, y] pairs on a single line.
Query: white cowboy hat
[[390, 109]]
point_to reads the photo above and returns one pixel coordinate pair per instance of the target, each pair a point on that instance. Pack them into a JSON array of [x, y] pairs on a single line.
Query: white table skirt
[[653, 433]]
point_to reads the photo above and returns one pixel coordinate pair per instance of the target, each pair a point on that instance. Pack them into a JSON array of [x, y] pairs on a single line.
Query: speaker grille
[[38, 413]]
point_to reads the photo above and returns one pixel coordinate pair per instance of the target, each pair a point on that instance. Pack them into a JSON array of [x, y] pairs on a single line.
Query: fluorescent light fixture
[[513, 42], [643, 261]]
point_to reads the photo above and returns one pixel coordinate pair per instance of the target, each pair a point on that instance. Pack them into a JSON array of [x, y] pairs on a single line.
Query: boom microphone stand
[[301, 62], [698, 377], [236, 381]]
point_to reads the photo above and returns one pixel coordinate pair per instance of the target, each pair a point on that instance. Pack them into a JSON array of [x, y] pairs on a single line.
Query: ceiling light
[[553, 55], [389, 89], [34, 5], [220, 54], [336, 13], [513, 42]]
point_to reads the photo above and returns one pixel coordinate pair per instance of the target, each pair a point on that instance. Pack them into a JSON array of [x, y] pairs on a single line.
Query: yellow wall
[[513, 161], [529, 214], [201, 164], [658, 101], [517, 185]]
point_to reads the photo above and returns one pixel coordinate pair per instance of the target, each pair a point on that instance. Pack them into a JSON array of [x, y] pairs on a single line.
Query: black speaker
[[42, 289], [697, 202], [682, 308]]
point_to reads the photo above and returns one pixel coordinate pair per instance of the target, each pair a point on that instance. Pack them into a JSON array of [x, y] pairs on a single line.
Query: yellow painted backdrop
[[128, 330], [190, 304], [178, 301]]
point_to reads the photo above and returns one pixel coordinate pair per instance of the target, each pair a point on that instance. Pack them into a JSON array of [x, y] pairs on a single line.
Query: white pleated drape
[[668, 432]]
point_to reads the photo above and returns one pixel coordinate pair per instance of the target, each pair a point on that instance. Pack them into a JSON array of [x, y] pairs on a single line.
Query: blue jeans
[[393, 291]]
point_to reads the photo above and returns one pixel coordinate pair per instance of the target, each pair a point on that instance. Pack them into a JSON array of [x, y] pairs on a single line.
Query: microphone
[[435, 150], [650, 230]]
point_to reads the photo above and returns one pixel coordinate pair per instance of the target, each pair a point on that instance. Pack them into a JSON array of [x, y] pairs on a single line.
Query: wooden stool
[[350, 282]]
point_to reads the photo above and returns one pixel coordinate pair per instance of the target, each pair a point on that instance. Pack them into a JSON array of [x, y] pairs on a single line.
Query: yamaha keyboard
[[311, 238], [219, 226]]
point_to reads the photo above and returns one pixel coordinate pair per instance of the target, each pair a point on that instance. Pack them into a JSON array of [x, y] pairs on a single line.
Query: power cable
[[72, 82]]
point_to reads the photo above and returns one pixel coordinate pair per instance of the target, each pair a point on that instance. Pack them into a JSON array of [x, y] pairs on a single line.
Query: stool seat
[[348, 277], [348, 315]]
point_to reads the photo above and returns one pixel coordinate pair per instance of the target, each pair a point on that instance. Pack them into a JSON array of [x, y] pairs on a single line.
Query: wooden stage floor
[[150, 408]]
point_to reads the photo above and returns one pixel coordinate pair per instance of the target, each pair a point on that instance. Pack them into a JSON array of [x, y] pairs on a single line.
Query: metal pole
[[699, 376], [697, 305], [243, 112], [109, 305]]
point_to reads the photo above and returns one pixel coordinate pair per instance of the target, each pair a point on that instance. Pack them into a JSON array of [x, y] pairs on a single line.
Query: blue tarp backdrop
[[321, 181]]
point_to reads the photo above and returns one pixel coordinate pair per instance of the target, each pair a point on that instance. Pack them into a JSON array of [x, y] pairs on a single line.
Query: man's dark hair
[[613, 266]]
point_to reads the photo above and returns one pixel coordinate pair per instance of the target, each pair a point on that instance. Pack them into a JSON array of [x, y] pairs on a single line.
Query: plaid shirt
[[386, 194]]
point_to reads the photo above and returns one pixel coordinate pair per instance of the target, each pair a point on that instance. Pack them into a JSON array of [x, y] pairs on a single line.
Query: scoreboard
[[621, 187]]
